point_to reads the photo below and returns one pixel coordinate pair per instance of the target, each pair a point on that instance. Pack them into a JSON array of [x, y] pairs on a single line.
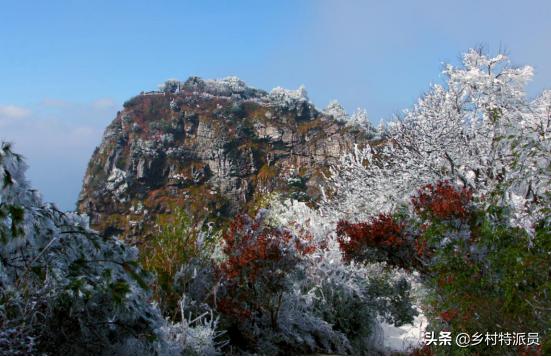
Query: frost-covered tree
[[354, 298], [529, 177], [337, 111], [458, 190], [360, 119], [257, 297], [64, 289], [381, 130], [64, 286], [478, 129], [170, 86]]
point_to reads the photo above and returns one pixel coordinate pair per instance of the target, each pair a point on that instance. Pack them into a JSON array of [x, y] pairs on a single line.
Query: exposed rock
[[213, 147]]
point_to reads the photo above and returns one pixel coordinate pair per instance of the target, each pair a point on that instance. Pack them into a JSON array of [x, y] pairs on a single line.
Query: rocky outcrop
[[213, 147]]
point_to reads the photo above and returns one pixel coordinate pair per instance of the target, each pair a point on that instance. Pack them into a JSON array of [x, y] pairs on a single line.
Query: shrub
[[497, 279], [482, 274], [63, 288], [284, 291], [193, 335], [260, 296], [255, 272], [177, 244], [383, 238], [442, 201]]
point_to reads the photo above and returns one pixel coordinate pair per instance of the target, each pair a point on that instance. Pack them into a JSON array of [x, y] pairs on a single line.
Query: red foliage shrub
[[382, 231], [384, 238], [256, 271], [384, 234], [249, 249], [442, 201]]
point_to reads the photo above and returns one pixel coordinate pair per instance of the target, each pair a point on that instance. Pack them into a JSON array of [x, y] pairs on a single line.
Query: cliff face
[[211, 147]]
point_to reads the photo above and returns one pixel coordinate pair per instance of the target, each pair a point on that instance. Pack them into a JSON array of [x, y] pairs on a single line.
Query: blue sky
[[67, 66]]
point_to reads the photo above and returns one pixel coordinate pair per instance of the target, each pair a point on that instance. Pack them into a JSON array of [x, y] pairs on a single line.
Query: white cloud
[[57, 134], [13, 112]]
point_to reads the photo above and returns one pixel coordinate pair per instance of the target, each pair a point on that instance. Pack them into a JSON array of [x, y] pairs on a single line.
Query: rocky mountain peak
[[212, 147]]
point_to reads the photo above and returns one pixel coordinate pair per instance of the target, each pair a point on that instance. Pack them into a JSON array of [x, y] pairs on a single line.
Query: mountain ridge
[[212, 147]]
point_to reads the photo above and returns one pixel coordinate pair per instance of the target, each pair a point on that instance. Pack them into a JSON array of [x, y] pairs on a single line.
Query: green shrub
[[178, 242], [496, 280]]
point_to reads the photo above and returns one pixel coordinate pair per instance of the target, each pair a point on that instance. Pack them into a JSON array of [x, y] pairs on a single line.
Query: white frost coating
[[360, 119], [230, 84], [337, 111], [65, 266], [404, 338], [225, 87], [192, 335], [116, 183], [331, 275], [407, 337], [287, 97], [478, 130]]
